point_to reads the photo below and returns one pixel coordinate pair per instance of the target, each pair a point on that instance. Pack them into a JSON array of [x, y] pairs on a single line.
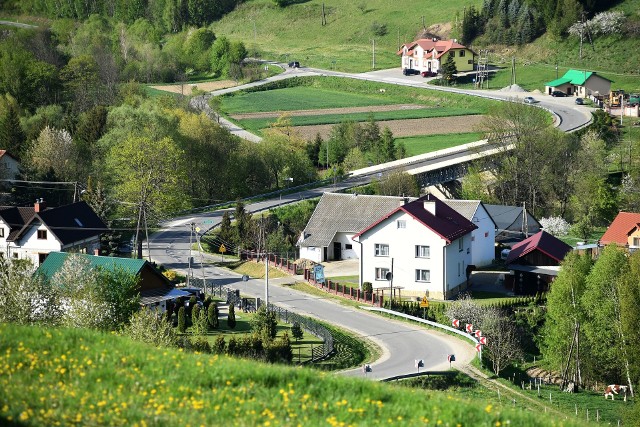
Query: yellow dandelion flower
[[488, 408], [24, 416]]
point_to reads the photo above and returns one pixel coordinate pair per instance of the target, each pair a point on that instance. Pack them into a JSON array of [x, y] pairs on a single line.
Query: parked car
[[428, 74], [558, 93], [410, 71], [529, 100], [579, 101], [294, 64]]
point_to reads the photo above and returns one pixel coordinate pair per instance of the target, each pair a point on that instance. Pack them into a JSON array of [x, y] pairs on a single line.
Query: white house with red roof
[[425, 245], [430, 54], [623, 231]]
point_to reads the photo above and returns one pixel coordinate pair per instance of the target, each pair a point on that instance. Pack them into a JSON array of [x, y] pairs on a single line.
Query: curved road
[[401, 342]]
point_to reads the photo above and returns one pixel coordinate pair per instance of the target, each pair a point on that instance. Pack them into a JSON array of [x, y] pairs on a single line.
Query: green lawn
[[348, 281], [81, 377], [427, 143], [336, 92], [380, 116], [297, 98]]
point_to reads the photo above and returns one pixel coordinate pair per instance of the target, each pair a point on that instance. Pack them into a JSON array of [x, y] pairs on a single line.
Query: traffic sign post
[[424, 304], [222, 250], [451, 358], [456, 323], [419, 364], [469, 328]]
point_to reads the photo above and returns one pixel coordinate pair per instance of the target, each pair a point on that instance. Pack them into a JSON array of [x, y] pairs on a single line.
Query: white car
[[529, 100]]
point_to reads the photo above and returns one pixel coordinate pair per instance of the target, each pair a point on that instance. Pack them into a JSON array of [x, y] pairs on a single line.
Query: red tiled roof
[[543, 242], [619, 229], [447, 223], [428, 45]]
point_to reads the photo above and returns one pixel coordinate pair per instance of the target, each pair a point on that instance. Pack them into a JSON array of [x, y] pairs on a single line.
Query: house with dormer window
[[420, 248], [33, 232], [430, 54]]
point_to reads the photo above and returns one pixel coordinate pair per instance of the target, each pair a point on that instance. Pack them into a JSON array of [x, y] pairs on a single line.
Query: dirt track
[[206, 86], [409, 127]]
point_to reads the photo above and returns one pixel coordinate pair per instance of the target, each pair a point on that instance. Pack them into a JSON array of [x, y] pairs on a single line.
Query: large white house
[[336, 219], [424, 244], [430, 54], [35, 231], [483, 238]]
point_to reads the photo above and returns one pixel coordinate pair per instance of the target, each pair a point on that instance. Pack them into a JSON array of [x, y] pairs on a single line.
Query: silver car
[[529, 100]]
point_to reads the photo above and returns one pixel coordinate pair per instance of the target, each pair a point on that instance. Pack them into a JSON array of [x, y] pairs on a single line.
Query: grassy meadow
[[424, 144], [79, 377], [345, 42]]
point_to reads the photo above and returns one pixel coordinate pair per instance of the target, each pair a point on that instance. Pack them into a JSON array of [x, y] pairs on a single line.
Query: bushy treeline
[[596, 306], [171, 15], [522, 21]]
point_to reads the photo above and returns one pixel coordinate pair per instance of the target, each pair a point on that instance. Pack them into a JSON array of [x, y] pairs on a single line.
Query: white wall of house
[[402, 240], [312, 253], [483, 239], [9, 167], [594, 84], [347, 246], [37, 240]]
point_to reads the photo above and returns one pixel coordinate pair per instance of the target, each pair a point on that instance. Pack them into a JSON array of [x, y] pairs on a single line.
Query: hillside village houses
[[430, 54], [425, 245], [35, 231]]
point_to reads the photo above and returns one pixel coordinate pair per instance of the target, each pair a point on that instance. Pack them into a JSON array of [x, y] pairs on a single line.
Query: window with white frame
[[401, 223], [1, 231], [423, 276], [381, 273], [423, 251], [382, 249], [636, 241]]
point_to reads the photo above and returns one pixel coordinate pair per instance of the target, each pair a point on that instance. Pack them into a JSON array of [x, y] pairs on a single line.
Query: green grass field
[[336, 92], [380, 116], [80, 377], [298, 98], [425, 144]]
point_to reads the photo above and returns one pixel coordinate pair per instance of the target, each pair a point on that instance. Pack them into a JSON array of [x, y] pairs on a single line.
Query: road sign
[[468, 327], [419, 364], [424, 303], [207, 221], [318, 271], [456, 323], [222, 249], [478, 348], [198, 229], [483, 340], [366, 368], [451, 358], [478, 333]]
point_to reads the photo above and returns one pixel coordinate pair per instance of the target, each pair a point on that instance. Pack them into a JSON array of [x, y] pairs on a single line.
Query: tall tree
[[565, 311], [12, 137], [604, 330], [449, 69]]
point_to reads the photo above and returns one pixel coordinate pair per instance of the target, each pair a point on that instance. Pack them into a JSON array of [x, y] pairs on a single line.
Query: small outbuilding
[[535, 262], [580, 83]]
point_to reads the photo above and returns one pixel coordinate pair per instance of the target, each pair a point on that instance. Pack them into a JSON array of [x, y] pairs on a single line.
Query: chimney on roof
[[39, 205], [430, 206]]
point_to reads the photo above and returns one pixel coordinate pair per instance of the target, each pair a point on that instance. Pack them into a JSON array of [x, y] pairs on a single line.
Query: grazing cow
[[614, 389]]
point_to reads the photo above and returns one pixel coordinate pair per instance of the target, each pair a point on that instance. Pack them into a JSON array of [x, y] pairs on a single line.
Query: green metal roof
[[575, 77], [55, 260]]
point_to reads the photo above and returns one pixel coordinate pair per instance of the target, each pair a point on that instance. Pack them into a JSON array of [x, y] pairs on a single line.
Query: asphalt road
[[402, 343]]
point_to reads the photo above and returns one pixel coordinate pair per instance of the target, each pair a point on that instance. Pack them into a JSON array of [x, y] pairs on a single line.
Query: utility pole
[[204, 279], [191, 225], [373, 57], [525, 225], [146, 233]]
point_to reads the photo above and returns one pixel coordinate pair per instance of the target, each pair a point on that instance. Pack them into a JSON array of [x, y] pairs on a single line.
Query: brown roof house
[[535, 262], [420, 248], [35, 231], [623, 231], [430, 54]]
